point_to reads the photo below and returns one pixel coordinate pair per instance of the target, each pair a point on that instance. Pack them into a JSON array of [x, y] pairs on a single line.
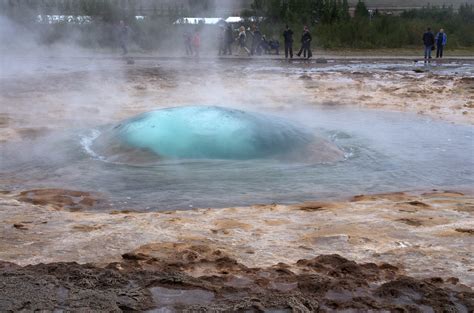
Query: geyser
[[210, 132]]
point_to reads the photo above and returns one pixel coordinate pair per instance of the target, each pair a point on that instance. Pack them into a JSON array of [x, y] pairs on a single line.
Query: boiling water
[[383, 152], [208, 132]]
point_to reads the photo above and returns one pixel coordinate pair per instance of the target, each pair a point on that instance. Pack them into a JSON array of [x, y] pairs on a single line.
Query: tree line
[[333, 26], [330, 21], [103, 10]]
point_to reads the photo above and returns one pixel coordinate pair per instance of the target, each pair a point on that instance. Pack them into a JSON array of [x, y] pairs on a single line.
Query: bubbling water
[[210, 132]]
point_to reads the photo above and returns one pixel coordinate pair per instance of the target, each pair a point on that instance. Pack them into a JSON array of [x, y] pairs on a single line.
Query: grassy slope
[[409, 3]]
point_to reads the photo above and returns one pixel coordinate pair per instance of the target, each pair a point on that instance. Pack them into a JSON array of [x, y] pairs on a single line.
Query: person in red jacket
[[196, 43]]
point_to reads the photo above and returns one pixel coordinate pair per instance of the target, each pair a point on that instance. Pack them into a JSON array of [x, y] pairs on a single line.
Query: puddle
[[169, 297]]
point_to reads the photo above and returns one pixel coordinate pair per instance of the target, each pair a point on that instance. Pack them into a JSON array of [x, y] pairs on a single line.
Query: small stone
[[20, 226], [321, 61]]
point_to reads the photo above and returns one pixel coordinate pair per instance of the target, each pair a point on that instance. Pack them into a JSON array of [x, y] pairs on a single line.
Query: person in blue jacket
[[441, 40]]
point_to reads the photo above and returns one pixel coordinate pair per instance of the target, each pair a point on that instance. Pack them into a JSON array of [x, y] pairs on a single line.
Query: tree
[[361, 10], [466, 12], [326, 12], [132, 11], [345, 16], [110, 13], [258, 7]]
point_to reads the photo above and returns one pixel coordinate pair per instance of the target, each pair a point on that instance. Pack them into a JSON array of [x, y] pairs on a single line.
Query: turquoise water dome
[[203, 132]]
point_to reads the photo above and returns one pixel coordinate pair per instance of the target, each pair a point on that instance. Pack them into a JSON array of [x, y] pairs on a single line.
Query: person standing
[[428, 41], [196, 43], [188, 38], [441, 40], [229, 39], [221, 40], [306, 44], [288, 36], [243, 40], [256, 41], [123, 32]]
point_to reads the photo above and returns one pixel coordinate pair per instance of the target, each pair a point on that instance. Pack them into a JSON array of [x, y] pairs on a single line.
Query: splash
[[205, 132]]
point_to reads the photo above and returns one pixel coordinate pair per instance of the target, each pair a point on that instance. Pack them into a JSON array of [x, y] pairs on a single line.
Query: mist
[[58, 95]]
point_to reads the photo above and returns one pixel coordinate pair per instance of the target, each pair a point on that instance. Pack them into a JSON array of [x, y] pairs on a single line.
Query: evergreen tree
[[110, 13], [317, 10], [258, 7], [466, 12], [361, 10], [131, 11], [345, 16], [326, 12], [68, 8], [334, 12], [155, 14]]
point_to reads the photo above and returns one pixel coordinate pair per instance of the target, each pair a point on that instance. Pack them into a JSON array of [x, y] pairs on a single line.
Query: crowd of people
[[248, 41], [251, 42], [258, 42]]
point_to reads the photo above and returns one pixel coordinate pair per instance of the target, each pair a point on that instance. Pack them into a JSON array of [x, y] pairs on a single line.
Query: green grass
[[409, 3]]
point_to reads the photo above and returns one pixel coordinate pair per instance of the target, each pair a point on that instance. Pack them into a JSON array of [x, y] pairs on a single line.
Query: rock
[[468, 231], [140, 283], [321, 61], [20, 226], [60, 198]]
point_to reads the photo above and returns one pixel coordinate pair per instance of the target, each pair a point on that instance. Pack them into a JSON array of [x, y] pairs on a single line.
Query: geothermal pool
[[383, 152]]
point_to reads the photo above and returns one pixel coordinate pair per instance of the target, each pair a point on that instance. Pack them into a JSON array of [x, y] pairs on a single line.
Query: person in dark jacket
[[256, 42], [188, 38], [288, 36], [305, 44], [428, 41], [229, 39], [441, 40], [123, 32], [221, 40]]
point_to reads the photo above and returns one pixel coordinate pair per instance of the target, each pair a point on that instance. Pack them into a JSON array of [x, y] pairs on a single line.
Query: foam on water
[[87, 141]]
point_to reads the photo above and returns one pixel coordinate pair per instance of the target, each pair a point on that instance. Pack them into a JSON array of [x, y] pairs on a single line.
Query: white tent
[[198, 20], [234, 19]]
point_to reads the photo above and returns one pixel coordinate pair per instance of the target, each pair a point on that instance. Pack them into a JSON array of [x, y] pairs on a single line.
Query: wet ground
[[403, 127], [413, 253], [56, 108], [140, 283]]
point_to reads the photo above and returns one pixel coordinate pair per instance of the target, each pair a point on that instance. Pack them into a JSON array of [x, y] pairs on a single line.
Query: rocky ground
[[40, 96], [401, 251], [438, 96], [60, 250], [141, 282]]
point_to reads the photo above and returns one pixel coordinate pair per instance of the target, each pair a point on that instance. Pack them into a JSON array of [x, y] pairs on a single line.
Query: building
[[398, 6]]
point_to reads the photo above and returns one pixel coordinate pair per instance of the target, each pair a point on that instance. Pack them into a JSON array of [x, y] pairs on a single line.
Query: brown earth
[[167, 280], [401, 252]]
